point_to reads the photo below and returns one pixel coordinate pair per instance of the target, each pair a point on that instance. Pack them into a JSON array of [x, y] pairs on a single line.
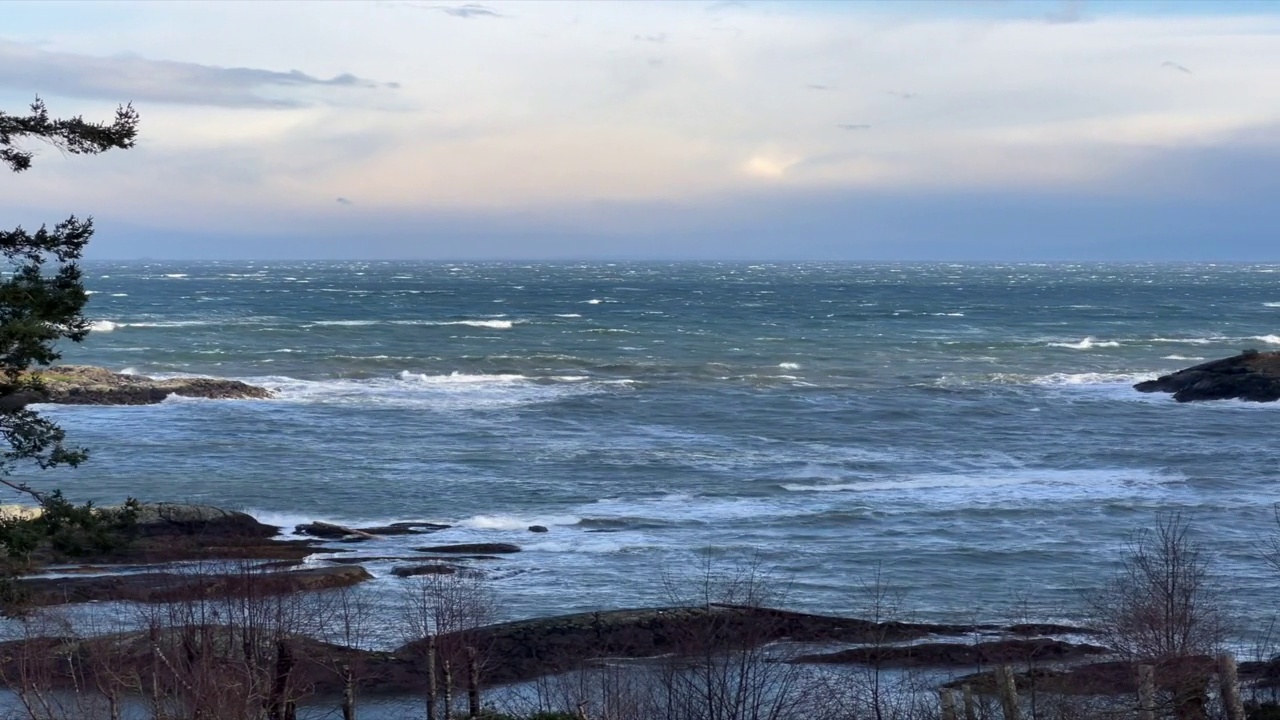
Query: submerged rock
[[954, 654], [538, 528], [1251, 375], [85, 385], [430, 569], [472, 548], [329, 531]]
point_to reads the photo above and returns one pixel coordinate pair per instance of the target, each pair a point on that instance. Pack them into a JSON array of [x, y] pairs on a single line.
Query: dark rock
[[175, 587], [404, 528], [938, 655], [84, 385], [329, 531], [432, 569], [537, 528], [1113, 677], [172, 532], [1251, 375], [528, 649], [472, 548]]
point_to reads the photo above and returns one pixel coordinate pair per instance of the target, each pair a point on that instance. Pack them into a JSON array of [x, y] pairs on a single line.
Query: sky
[[983, 130]]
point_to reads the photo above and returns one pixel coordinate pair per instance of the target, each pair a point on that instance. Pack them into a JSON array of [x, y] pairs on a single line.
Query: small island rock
[[1251, 375]]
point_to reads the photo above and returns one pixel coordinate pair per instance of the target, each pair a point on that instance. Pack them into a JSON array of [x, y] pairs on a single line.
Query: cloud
[[470, 10], [1070, 11], [549, 115], [32, 69]]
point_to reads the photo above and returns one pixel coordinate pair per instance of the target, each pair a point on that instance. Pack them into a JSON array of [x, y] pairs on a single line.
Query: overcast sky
[[983, 130]]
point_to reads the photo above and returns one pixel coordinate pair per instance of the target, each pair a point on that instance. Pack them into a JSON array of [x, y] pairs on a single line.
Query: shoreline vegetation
[[195, 598]]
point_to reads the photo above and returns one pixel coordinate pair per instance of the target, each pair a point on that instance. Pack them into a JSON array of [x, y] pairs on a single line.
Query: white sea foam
[[1271, 304], [492, 324], [119, 294], [594, 301], [102, 326], [1268, 339], [175, 275], [1093, 378], [568, 315], [789, 366], [346, 323], [1189, 341], [516, 522], [1181, 357], [443, 392], [1086, 344]]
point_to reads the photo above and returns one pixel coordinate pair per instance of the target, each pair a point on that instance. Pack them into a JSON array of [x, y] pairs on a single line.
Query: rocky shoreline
[[144, 571], [87, 385]]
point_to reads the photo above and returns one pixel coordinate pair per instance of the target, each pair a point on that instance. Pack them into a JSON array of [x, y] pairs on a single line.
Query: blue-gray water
[[971, 427]]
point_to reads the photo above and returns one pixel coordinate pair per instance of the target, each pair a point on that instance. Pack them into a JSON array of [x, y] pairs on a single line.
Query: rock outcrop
[[85, 385], [1251, 375], [162, 587], [472, 549]]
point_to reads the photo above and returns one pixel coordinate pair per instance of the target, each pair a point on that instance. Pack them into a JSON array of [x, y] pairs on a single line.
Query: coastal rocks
[[85, 385], [167, 519], [405, 528], [938, 655], [472, 549], [519, 651], [405, 571], [329, 531], [1251, 375], [172, 532], [537, 528], [175, 587]]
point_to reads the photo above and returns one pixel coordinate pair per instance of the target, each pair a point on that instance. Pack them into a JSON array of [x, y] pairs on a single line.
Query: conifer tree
[[42, 294]]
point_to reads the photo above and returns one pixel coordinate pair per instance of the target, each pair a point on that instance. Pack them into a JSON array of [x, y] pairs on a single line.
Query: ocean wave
[[102, 326], [568, 315], [1268, 339], [1086, 344], [516, 522], [1092, 378], [1011, 487], [455, 391], [1271, 304], [1181, 357], [789, 366]]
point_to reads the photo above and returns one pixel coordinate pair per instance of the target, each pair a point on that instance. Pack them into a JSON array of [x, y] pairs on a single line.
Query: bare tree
[[1163, 608], [439, 611]]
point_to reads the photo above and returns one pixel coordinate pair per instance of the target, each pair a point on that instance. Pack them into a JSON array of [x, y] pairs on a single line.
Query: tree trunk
[[473, 684]]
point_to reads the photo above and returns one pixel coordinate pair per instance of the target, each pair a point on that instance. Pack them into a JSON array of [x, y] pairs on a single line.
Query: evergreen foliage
[[42, 295]]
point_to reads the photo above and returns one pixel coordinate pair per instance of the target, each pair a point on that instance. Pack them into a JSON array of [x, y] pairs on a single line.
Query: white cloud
[[559, 104]]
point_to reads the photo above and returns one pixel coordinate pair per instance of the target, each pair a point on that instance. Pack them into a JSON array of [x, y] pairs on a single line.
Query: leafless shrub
[[1163, 608], [439, 611]]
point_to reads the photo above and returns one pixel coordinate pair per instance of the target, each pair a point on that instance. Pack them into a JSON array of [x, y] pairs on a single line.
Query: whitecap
[[103, 326], [594, 301], [1086, 344], [1093, 378], [568, 315], [1181, 357], [91, 292], [1271, 304], [789, 366], [1268, 339], [119, 294], [175, 275]]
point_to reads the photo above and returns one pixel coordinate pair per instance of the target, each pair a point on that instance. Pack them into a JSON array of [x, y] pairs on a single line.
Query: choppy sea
[[969, 429]]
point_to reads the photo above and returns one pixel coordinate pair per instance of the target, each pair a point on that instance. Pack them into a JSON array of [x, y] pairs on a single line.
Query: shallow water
[[969, 427]]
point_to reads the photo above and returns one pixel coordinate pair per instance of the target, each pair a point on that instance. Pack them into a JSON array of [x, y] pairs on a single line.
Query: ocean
[[969, 430]]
